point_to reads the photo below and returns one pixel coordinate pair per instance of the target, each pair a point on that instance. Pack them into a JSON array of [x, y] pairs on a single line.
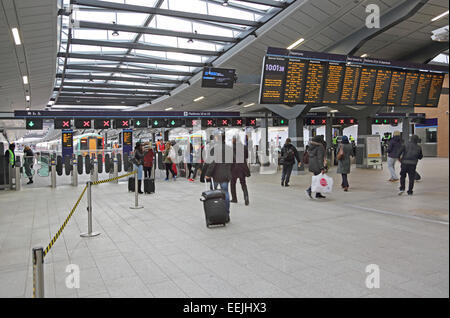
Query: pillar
[[406, 129], [295, 133]]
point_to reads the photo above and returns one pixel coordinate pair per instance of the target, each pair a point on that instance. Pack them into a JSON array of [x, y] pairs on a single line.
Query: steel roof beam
[[237, 6], [149, 60], [270, 3], [165, 12], [118, 78], [153, 31], [128, 70], [106, 85], [112, 91], [125, 97], [102, 100]]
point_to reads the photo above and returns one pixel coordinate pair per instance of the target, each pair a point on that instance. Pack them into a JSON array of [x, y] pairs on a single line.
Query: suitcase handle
[[210, 186]]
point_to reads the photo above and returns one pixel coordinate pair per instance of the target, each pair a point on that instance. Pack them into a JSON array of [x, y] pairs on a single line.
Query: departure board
[[409, 89], [381, 90], [314, 82], [366, 85], [333, 83], [396, 88], [350, 84], [295, 81], [422, 89], [319, 78], [435, 90], [273, 80]]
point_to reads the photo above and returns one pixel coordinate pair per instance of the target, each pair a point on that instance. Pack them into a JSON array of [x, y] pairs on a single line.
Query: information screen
[[409, 90], [273, 80], [396, 88], [435, 90], [67, 139], [128, 138], [422, 89], [314, 82], [350, 84], [381, 91], [218, 77], [295, 81], [333, 83], [366, 86]]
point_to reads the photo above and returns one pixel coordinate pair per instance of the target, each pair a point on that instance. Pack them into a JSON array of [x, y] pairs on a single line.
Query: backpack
[[288, 155]]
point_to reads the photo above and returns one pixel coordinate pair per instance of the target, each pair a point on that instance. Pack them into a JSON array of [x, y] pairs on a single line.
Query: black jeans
[[344, 180], [147, 171], [409, 169], [286, 173], [233, 186], [169, 168]]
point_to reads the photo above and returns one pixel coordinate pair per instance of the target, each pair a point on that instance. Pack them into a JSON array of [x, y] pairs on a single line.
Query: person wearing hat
[[316, 161], [394, 149], [344, 163]]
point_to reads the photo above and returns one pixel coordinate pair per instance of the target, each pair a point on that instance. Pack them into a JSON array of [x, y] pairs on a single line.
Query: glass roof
[[126, 49]]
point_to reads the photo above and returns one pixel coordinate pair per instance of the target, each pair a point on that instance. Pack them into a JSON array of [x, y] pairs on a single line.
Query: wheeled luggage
[[149, 185], [215, 207], [131, 184]]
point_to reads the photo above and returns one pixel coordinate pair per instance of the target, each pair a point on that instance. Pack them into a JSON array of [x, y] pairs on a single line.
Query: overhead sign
[[83, 123], [122, 123], [250, 121], [140, 123], [62, 123], [157, 122], [34, 124], [174, 122], [218, 77], [237, 122], [303, 77], [277, 121], [67, 143], [127, 141], [208, 122], [102, 123]]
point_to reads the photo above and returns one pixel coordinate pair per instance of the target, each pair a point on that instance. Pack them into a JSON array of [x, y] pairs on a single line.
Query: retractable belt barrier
[[39, 253]]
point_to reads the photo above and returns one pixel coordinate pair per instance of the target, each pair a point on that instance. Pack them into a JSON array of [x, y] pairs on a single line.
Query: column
[[295, 133], [406, 129]]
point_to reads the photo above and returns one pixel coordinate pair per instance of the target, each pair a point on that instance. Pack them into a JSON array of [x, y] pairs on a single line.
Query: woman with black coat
[[316, 161], [239, 170]]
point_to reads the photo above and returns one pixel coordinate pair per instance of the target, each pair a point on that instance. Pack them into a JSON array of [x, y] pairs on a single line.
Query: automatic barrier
[[39, 253]]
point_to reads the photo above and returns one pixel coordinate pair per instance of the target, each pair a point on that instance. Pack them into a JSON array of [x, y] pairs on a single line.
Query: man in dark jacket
[[239, 170], [28, 163], [316, 161], [409, 155], [394, 148], [288, 155]]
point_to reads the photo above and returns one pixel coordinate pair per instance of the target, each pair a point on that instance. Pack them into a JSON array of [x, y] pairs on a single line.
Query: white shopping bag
[[322, 183]]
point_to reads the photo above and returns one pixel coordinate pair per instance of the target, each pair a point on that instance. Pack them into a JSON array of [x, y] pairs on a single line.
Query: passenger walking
[[138, 162], [344, 162], [28, 163], [192, 165], [288, 155], [148, 161], [316, 161], [410, 154], [168, 158], [394, 148], [239, 170]]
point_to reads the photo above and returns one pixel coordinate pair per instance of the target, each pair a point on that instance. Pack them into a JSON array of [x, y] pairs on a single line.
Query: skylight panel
[[195, 6]]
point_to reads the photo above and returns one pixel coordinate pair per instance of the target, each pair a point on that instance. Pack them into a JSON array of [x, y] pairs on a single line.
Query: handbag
[[340, 154]]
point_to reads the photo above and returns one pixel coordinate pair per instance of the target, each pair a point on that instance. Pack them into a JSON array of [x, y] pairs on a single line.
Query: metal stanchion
[[116, 169], [53, 172], [17, 177], [94, 172], [74, 172], [89, 209], [38, 272], [136, 200]]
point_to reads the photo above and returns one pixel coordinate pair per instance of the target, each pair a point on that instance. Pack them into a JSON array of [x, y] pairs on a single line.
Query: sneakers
[[233, 200], [174, 178], [410, 193], [346, 189], [308, 193], [282, 183], [30, 182], [400, 192], [192, 180], [393, 180], [320, 196], [166, 179], [286, 184]]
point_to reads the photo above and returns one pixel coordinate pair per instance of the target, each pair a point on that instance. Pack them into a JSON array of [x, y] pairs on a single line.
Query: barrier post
[[94, 172], [89, 233], [18, 183], [116, 169], [74, 172], [136, 200], [53, 172], [38, 272]]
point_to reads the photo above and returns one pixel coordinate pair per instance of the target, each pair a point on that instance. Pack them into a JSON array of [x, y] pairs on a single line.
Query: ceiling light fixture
[[295, 44], [225, 3], [248, 105], [440, 16], [170, 108], [333, 111], [25, 79], [16, 36], [27, 98], [115, 33], [365, 55], [28, 108], [199, 98]]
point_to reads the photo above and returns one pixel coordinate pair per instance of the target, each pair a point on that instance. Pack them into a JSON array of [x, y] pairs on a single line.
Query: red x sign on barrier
[[86, 123], [66, 123], [106, 123]]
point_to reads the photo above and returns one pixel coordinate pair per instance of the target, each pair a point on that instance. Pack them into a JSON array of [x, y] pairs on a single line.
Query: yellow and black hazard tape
[[115, 178], [64, 224]]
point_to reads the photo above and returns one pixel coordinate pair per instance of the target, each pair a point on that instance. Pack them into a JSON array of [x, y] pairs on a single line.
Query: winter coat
[[285, 149], [316, 157], [148, 158], [166, 158], [411, 152], [220, 171], [345, 163], [240, 169], [138, 157], [395, 146]]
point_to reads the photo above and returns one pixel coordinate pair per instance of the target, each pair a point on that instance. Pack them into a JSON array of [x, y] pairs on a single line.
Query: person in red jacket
[[148, 161]]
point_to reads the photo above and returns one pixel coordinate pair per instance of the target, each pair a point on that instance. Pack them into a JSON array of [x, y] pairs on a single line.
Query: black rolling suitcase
[[149, 185], [215, 207], [131, 184]]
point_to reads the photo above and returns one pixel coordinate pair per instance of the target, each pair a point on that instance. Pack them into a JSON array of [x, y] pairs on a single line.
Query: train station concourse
[[224, 152]]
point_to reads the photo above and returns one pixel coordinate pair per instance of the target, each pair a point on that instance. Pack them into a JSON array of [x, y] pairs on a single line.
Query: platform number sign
[[83, 123], [102, 123], [122, 123], [140, 123], [34, 124], [62, 123]]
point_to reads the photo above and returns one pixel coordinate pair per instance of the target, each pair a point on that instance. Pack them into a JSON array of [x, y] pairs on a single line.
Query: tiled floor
[[282, 245]]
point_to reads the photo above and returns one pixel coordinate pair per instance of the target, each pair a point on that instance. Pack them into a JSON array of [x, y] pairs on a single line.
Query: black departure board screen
[[435, 90], [422, 89], [350, 84], [314, 82], [318, 78], [366, 85], [396, 88], [218, 77], [381, 90], [273, 80], [295, 81], [333, 83], [409, 89]]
